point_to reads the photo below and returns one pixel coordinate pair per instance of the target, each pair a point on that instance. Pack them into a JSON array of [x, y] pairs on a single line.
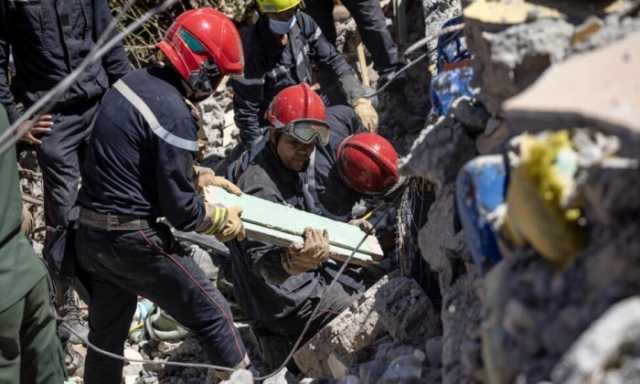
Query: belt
[[113, 222]]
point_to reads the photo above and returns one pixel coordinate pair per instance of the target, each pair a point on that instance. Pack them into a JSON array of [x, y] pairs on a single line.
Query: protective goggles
[[309, 130]]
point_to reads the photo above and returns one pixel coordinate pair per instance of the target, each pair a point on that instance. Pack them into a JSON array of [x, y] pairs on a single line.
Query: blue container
[[481, 188]]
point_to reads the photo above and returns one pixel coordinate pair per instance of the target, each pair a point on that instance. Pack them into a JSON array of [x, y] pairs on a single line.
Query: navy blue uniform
[[271, 67], [371, 26], [142, 169], [48, 40], [278, 303]]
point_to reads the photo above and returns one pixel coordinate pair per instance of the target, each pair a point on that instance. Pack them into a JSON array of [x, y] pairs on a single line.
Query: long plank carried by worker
[[282, 225]]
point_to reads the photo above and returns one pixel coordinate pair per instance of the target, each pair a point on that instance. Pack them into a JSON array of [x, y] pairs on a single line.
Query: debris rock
[[460, 317], [510, 58], [333, 347], [605, 346], [405, 310], [596, 89]]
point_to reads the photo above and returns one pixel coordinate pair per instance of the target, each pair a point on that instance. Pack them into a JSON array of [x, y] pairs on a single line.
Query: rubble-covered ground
[[525, 320]]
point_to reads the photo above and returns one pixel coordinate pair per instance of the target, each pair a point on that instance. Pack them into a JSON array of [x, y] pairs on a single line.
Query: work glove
[[300, 258], [205, 177], [367, 114], [223, 223]]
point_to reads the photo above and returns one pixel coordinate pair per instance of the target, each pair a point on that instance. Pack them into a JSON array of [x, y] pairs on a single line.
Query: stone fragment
[[460, 317], [405, 310], [508, 12], [603, 345], [597, 89], [355, 328], [433, 349], [508, 59]]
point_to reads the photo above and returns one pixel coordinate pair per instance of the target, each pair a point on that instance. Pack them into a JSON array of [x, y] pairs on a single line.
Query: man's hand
[[301, 258], [205, 176], [363, 224], [233, 228], [223, 223], [367, 114], [41, 126]]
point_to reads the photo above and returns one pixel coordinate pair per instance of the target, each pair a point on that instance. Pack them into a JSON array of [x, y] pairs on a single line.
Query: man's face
[[293, 154]]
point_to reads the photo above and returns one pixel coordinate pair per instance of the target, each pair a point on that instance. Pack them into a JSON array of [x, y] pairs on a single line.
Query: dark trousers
[[371, 26], [116, 266], [277, 339], [59, 156], [30, 351]]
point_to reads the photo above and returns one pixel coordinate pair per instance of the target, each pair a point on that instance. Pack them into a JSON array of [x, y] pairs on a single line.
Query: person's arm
[[115, 62], [6, 97], [177, 197], [325, 54]]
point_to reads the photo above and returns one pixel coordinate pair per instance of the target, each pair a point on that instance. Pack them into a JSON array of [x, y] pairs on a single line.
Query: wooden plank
[[281, 225]]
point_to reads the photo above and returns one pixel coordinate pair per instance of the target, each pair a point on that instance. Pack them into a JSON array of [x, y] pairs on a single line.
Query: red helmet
[[300, 111], [203, 45], [368, 163]]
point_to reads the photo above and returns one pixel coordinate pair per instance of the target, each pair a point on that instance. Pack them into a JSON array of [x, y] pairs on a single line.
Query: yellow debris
[[511, 12], [538, 187]]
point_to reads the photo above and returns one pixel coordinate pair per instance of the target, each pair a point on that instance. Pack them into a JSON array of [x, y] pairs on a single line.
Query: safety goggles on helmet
[[208, 77], [308, 130]]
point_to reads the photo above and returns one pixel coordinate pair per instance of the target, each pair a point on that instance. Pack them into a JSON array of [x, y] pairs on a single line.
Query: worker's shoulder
[[306, 23], [256, 181], [159, 92]]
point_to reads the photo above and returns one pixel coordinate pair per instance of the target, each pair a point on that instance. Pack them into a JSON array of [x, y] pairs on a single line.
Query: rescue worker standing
[[48, 40], [139, 168], [280, 50], [371, 25], [30, 349], [277, 286]]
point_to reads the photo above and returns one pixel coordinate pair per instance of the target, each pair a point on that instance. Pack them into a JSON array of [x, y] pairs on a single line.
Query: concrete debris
[[460, 321], [508, 60], [609, 343], [405, 310], [439, 152], [334, 346], [597, 89]]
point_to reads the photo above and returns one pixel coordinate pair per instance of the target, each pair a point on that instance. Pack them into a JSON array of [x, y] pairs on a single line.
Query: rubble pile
[[556, 107]]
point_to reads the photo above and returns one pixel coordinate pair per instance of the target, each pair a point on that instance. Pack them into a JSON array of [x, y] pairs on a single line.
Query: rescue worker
[[279, 287], [280, 50], [30, 349], [139, 168], [372, 27], [48, 40]]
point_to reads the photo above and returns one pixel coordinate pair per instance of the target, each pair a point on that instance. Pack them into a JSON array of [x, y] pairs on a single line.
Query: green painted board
[[282, 225]]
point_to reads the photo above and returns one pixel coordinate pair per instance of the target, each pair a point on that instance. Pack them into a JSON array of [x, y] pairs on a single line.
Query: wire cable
[[344, 265]]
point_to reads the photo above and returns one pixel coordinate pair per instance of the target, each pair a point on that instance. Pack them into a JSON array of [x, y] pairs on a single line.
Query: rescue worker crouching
[[278, 286], [140, 167], [280, 50]]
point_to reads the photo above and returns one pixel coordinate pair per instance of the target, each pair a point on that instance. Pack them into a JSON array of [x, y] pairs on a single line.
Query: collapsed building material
[[604, 346], [333, 348], [597, 89], [405, 310], [282, 225]]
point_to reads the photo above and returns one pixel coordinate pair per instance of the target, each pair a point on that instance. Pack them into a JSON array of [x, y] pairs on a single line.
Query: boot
[[73, 318]]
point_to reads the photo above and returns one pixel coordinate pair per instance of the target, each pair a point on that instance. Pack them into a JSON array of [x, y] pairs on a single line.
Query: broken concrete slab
[[282, 225], [510, 58], [602, 346], [333, 347], [598, 89], [460, 317], [405, 310]]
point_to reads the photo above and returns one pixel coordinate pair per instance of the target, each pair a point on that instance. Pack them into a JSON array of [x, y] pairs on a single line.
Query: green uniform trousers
[[30, 351]]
